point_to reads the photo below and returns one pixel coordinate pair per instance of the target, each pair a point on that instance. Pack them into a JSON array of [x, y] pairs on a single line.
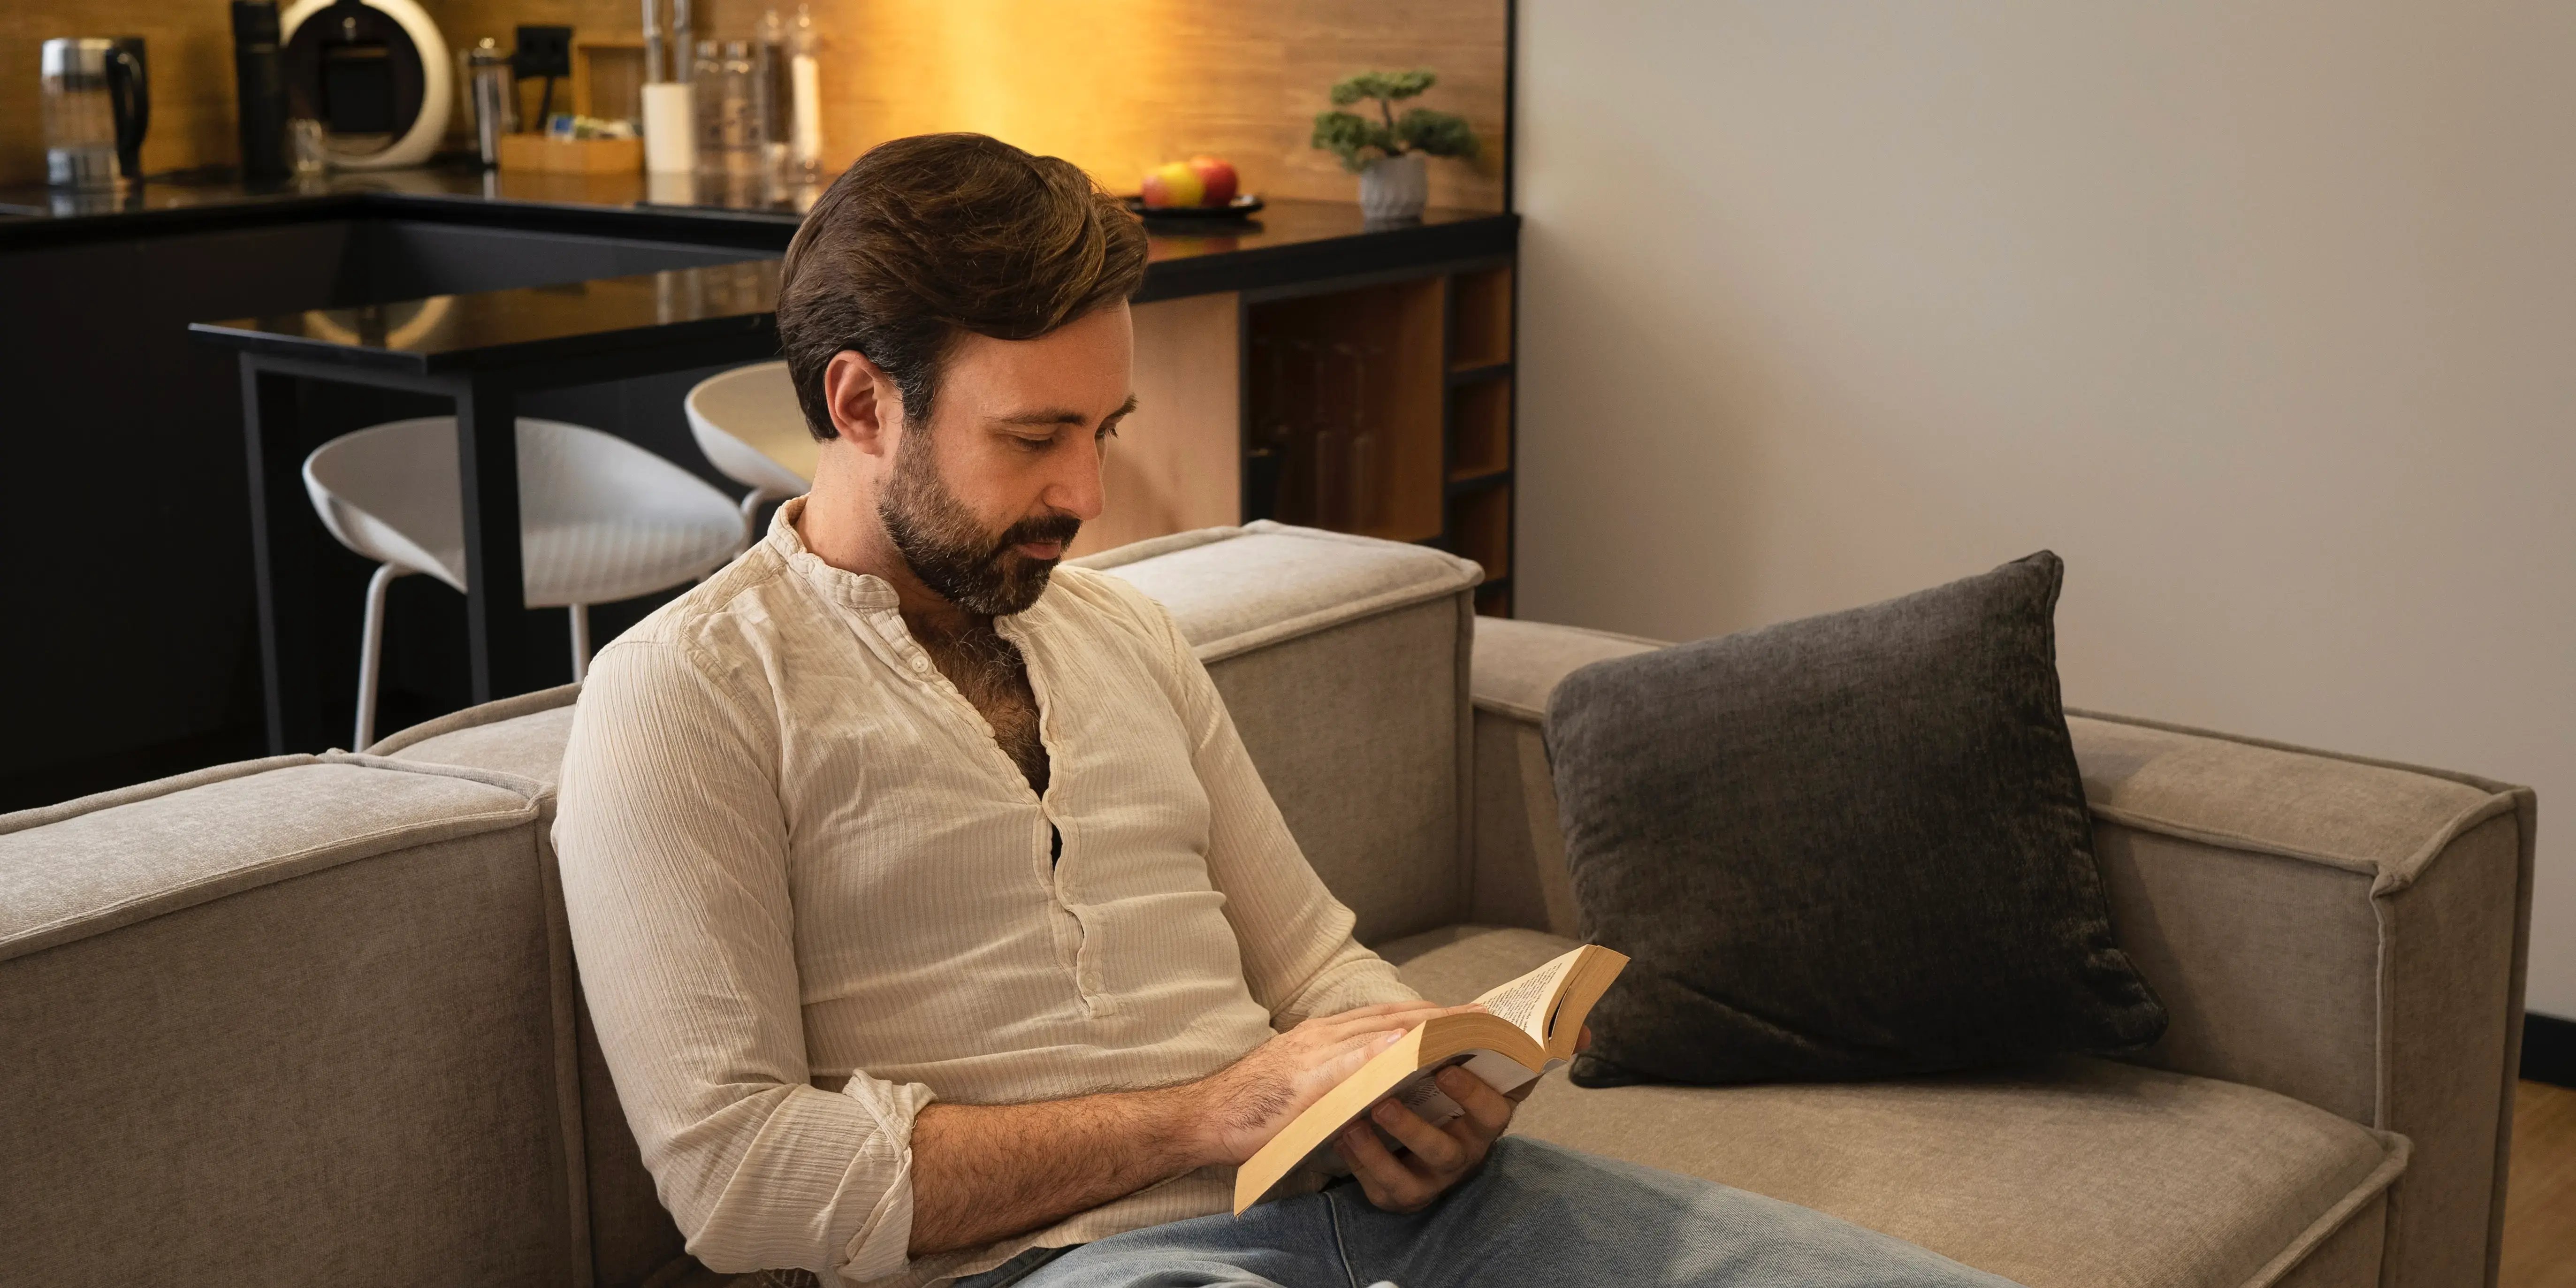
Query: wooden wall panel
[[1114, 86]]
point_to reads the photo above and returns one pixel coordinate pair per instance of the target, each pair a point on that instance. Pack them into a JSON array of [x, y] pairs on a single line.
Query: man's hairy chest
[[989, 671]]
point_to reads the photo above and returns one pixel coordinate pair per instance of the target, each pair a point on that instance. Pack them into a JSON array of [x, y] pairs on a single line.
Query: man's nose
[[1076, 489]]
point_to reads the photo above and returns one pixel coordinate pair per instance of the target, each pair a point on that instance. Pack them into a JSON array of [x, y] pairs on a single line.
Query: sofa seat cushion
[[2075, 1172]]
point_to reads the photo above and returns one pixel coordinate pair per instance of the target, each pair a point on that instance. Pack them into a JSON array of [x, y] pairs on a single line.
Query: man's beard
[[950, 552]]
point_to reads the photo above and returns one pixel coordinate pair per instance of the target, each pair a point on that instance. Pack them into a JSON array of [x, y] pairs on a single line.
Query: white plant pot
[[1394, 188]]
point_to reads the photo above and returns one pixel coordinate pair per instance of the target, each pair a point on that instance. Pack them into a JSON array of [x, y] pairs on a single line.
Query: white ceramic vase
[[1393, 189]]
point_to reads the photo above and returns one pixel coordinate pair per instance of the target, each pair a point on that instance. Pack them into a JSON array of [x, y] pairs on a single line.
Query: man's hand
[[1437, 1157], [1240, 1107]]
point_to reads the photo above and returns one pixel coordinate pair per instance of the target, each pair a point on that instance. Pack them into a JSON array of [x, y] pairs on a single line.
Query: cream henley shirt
[[809, 893]]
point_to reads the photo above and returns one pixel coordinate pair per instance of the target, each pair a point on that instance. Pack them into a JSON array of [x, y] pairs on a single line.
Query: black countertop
[[1293, 240], [661, 207], [621, 317], [1289, 243]]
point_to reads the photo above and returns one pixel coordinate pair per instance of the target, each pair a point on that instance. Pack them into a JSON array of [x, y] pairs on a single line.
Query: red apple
[[1171, 184], [1217, 175]]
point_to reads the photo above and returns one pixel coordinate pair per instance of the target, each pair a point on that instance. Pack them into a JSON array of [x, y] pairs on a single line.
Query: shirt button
[[921, 664]]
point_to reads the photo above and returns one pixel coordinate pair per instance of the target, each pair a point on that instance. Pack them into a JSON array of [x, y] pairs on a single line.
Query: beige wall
[[2262, 315]]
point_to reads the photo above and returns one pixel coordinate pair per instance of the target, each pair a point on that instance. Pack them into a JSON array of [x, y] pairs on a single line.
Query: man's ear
[[866, 406]]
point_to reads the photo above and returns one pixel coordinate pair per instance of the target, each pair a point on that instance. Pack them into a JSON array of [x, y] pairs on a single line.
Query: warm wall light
[[1084, 82], [1120, 86]]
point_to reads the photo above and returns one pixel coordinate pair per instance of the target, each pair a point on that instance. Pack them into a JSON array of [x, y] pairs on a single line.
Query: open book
[[1530, 1028]]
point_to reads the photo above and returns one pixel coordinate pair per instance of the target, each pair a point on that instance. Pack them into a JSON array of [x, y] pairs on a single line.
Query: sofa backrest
[[1343, 661], [294, 1021]]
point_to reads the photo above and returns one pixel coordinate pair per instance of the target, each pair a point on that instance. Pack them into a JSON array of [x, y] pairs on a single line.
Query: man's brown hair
[[929, 237]]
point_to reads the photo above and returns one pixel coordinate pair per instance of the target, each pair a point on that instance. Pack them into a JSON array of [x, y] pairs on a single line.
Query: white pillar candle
[[670, 129]]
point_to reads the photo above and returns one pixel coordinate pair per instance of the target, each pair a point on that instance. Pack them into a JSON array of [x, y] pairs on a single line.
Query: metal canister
[[493, 89]]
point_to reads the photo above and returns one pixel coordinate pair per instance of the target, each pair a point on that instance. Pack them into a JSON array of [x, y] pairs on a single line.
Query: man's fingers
[[1437, 1149], [1403, 1015], [1376, 1010], [1486, 1108], [1385, 1010], [1383, 1177]]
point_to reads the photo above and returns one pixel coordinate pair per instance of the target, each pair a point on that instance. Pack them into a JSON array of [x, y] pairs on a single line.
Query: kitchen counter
[[1291, 241], [32, 216], [366, 297]]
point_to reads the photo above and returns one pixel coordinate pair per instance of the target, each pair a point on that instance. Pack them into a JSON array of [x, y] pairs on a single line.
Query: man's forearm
[[984, 1172]]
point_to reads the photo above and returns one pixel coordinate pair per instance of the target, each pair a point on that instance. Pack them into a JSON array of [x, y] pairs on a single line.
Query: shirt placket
[[907, 654], [1086, 957]]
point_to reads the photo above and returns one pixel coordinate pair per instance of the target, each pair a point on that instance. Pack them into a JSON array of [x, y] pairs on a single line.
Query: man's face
[[983, 501]]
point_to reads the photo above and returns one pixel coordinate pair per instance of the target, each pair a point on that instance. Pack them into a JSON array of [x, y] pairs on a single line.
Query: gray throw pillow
[[1847, 847]]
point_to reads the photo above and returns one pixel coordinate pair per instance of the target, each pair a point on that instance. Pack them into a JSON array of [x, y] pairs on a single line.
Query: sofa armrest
[[1518, 876], [289, 1021], [2347, 932]]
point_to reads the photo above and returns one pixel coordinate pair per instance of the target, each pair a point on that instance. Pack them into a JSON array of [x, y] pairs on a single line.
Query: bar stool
[[748, 423], [600, 520]]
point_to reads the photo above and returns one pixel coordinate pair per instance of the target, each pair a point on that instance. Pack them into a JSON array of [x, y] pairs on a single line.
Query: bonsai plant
[[1386, 153]]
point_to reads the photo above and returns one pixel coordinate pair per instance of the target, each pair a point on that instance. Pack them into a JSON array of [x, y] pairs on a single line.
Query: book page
[[1524, 1003]]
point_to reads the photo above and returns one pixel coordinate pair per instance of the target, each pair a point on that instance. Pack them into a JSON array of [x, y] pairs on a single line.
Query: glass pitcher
[[96, 106]]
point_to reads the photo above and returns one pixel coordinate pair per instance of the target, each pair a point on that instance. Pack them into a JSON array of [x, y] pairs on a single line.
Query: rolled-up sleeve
[[674, 855]]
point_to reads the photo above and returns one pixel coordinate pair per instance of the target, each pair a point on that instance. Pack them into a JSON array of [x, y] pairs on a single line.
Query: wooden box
[[571, 156]]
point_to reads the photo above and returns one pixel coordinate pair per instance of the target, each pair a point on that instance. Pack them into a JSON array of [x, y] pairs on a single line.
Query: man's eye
[[1109, 430]]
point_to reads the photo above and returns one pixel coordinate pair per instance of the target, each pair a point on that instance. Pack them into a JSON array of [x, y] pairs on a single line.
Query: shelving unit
[[1480, 429], [1385, 408], [1480, 310], [1343, 410]]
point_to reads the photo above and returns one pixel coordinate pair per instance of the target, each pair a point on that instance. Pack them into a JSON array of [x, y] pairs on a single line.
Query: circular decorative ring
[[437, 83]]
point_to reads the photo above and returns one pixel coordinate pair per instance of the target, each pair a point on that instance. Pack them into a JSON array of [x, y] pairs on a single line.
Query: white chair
[[600, 520], [748, 423]]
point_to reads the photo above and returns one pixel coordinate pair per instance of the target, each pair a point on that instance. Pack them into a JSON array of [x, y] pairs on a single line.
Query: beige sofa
[[315, 1020]]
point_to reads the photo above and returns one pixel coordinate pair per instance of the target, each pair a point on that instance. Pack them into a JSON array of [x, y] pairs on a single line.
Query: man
[[933, 918]]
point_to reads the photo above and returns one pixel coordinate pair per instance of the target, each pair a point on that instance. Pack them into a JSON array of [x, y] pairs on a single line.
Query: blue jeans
[[1535, 1214]]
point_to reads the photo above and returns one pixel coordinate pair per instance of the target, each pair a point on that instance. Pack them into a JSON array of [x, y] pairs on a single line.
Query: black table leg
[[281, 535], [487, 464]]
